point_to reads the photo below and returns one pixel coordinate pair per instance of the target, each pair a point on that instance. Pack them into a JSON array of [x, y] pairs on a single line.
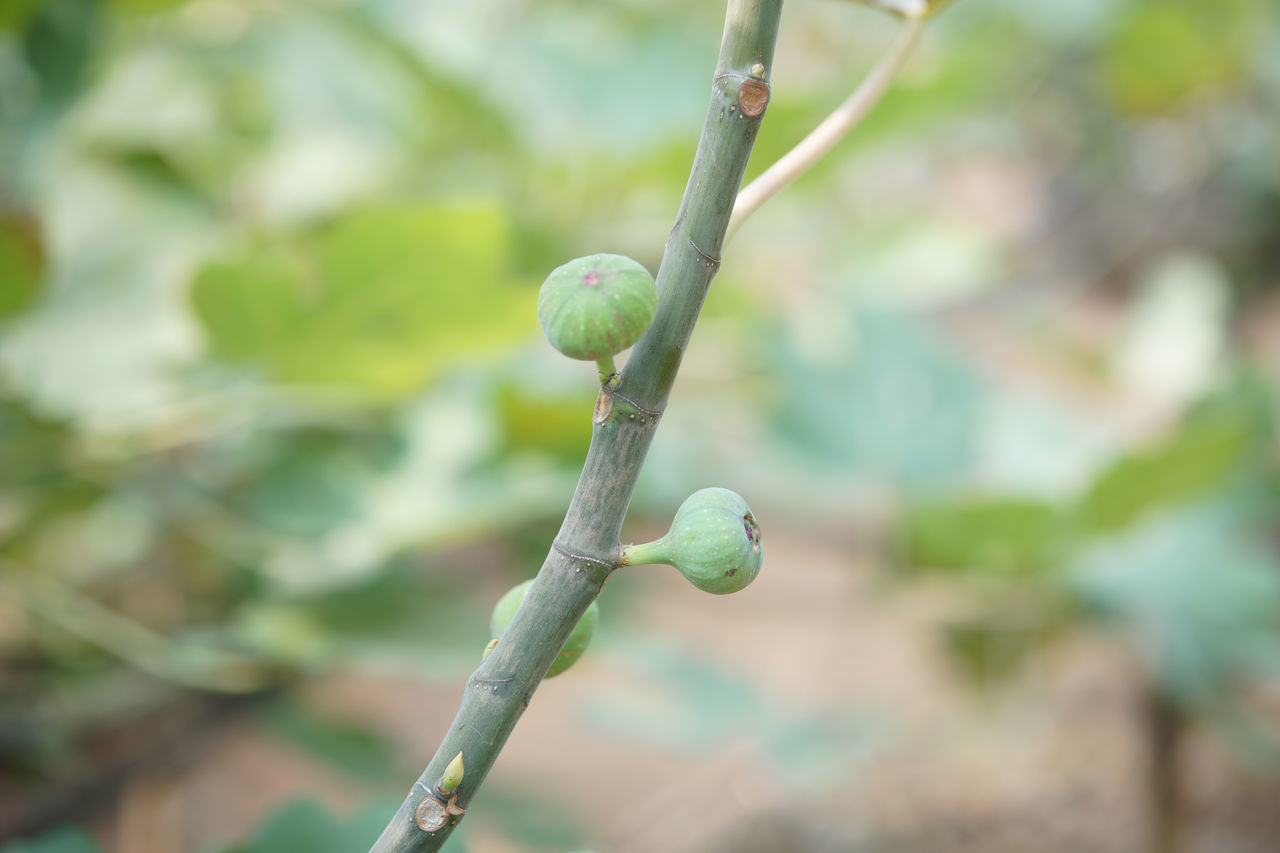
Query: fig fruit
[[505, 610], [714, 541], [593, 308]]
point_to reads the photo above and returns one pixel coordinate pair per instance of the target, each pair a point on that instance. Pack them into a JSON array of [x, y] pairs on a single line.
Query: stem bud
[[452, 777]]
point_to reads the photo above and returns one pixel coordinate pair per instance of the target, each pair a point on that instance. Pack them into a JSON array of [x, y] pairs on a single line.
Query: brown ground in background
[[1056, 766]]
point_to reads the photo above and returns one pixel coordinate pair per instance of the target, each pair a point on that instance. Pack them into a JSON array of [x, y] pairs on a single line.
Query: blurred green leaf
[[556, 425], [999, 536], [39, 487], [560, 73], [1198, 592], [693, 705], [318, 478], [143, 6], [1010, 627], [1247, 399], [32, 447], [392, 616], [21, 265], [1161, 54], [811, 750], [59, 42], [58, 841], [534, 819], [458, 114], [14, 14], [374, 305], [1211, 449], [393, 602], [117, 262], [877, 396], [305, 825], [350, 748]]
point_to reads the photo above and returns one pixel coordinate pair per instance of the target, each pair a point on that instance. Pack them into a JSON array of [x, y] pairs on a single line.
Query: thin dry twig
[[843, 119]]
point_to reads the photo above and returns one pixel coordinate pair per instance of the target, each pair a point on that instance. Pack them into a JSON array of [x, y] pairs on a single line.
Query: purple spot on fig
[[753, 531], [591, 279], [731, 573]]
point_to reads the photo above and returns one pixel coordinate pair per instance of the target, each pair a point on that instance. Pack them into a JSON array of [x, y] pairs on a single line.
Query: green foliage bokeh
[[268, 345]]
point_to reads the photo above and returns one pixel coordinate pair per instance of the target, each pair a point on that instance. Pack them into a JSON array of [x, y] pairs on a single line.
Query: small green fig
[[505, 610], [714, 541], [593, 308]]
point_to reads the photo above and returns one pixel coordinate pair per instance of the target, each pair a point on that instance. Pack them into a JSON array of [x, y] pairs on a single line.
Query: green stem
[[646, 554], [586, 549], [606, 368]]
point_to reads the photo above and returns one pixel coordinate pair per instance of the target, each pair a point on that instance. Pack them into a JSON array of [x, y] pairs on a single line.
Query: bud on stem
[[452, 777]]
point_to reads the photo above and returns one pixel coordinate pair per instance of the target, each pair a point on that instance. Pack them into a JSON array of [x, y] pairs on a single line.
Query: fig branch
[[587, 547], [843, 118]]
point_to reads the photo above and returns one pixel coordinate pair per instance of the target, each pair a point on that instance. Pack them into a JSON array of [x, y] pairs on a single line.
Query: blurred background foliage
[[274, 405]]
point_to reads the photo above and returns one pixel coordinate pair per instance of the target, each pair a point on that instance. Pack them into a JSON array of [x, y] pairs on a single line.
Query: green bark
[[586, 549]]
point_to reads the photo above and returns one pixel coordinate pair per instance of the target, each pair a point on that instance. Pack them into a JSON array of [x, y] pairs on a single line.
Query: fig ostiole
[[505, 610], [714, 541], [594, 307]]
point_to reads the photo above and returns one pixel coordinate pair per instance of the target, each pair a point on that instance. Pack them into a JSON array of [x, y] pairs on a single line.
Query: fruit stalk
[[606, 369], [586, 549], [647, 553]]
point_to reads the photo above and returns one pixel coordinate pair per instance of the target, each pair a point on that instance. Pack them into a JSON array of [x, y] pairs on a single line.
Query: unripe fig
[[714, 541], [505, 610], [593, 308]]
